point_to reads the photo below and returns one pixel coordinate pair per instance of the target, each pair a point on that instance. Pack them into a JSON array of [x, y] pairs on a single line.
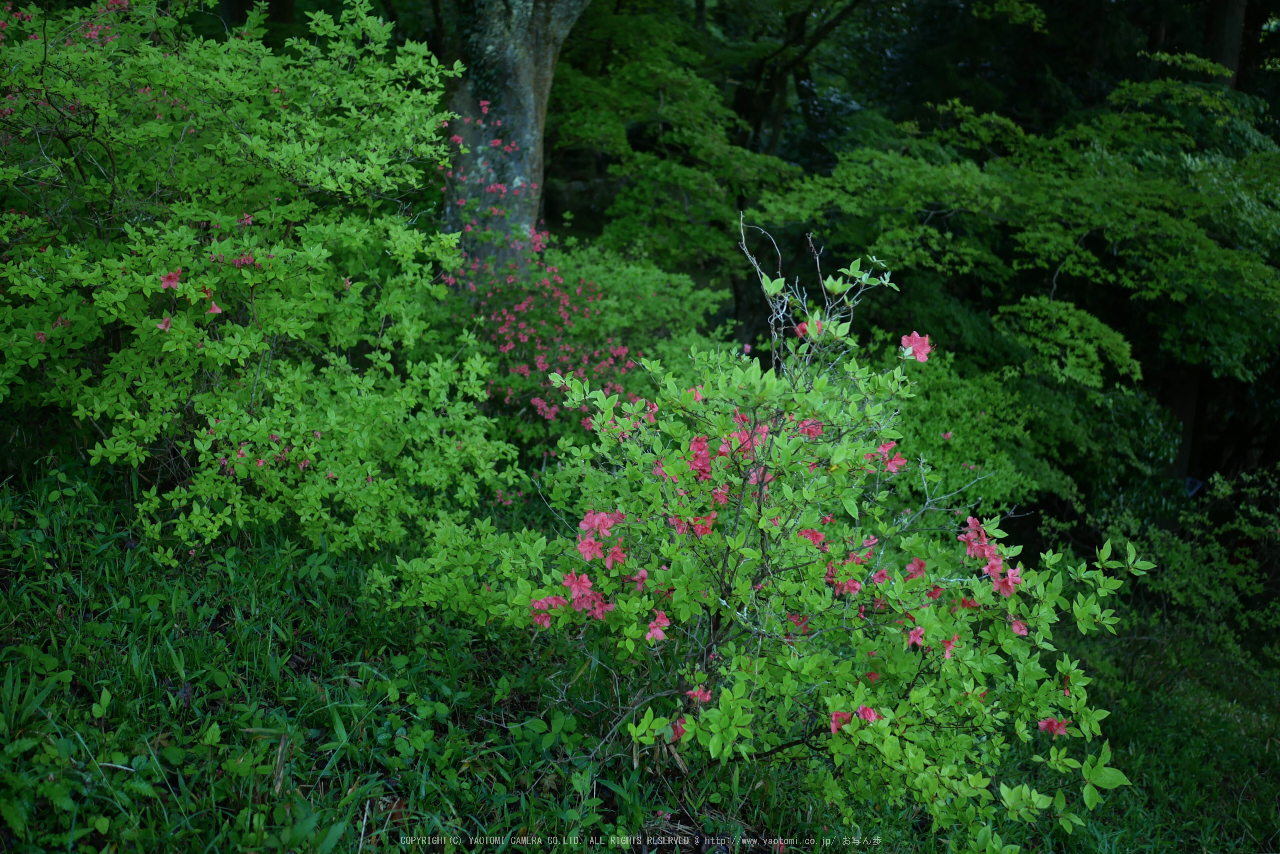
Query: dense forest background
[[1079, 202]]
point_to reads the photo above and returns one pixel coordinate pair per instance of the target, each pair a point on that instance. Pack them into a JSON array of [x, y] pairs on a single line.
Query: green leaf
[[1091, 797], [1109, 778]]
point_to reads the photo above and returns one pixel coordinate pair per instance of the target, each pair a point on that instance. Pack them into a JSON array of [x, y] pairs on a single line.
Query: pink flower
[[579, 585], [948, 645], [850, 587], [615, 555], [746, 348], [542, 619], [801, 623], [869, 714], [598, 606], [550, 603], [601, 523], [41, 337], [935, 592], [839, 719], [1054, 726], [915, 569], [659, 623], [170, 280], [946, 436], [814, 536], [302, 466], [702, 524], [677, 729], [1019, 627], [163, 325], [914, 345], [811, 428], [720, 495], [702, 695], [246, 220], [915, 636], [1005, 586], [260, 463], [894, 464], [213, 308], [590, 548], [639, 578], [881, 577], [971, 604]]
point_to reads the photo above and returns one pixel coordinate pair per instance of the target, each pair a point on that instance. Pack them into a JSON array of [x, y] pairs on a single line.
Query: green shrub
[[768, 589], [211, 258]]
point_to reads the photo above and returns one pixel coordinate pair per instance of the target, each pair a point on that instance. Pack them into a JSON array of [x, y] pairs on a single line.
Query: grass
[[250, 699]]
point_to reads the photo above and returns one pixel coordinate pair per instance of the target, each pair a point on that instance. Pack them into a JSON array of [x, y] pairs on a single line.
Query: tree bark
[[1255, 21], [510, 51], [1225, 33]]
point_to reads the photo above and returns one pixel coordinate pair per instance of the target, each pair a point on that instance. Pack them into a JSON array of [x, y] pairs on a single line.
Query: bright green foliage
[[749, 539], [215, 257]]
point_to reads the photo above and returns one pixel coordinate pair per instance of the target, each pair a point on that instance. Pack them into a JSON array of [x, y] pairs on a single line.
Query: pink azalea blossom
[[615, 555], [1055, 726], [914, 345], [702, 524], [549, 603], [639, 578], [213, 308], [946, 436], [601, 523], [1019, 627], [948, 645], [702, 695], [869, 714], [1005, 586], [915, 636], [894, 464], [590, 548], [170, 280], [850, 587], [839, 719], [935, 592], [915, 569], [881, 577], [677, 729], [163, 325], [659, 623], [811, 428], [814, 536], [579, 585]]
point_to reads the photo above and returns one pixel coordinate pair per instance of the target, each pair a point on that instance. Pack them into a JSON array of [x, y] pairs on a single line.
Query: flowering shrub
[[209, 259], [742, 552]]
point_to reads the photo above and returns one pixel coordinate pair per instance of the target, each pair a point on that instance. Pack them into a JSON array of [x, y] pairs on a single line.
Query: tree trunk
[[1225, 33], [510, 51], [1251, 53]]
